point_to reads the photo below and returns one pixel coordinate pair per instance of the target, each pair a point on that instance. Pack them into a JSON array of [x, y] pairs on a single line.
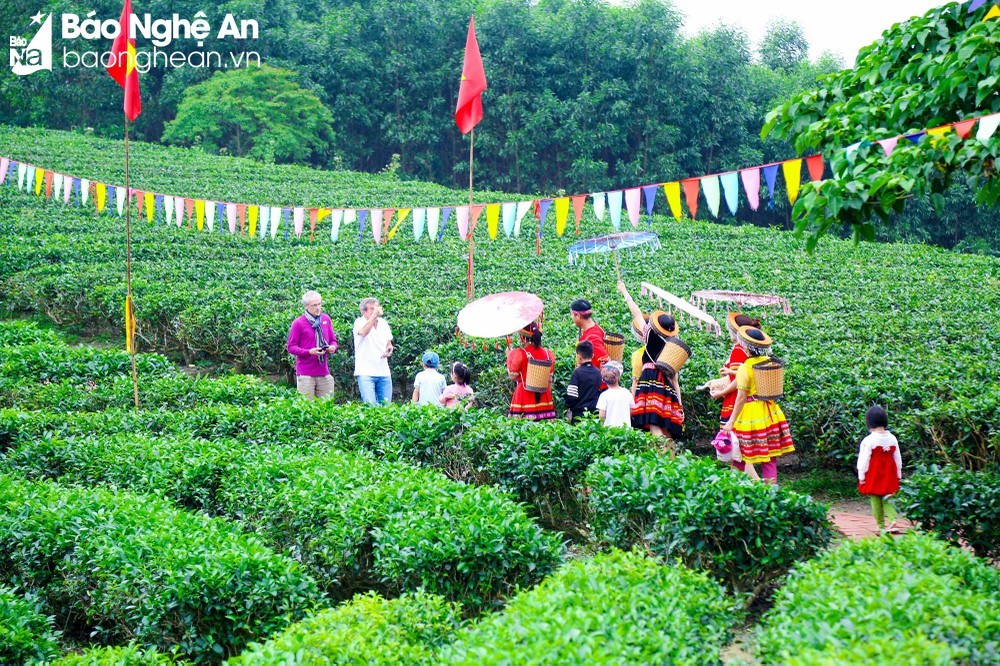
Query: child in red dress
[[880, 467]]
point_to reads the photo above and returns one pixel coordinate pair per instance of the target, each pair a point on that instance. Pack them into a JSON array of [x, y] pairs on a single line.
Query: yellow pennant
[[402, 213], [129, 326], [562, 212], [150, 202], [937, 134], [673, 192], [993, 13], [102, 196], [322, 214], [199, 209], [39, 178], [493, 220], [252, 212], [793, 177]]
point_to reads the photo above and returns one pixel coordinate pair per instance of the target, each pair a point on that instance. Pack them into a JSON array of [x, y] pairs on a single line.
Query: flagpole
[[470, 287], [129, 317]]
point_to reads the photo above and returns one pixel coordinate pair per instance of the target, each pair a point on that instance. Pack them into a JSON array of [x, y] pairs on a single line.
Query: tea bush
[[909, 600], [615, 608], [43, 362], [26, 634], [963, 507], [131, 655], [121, 567], [743, 532], [357, 524], [366, 630], [25, 332]]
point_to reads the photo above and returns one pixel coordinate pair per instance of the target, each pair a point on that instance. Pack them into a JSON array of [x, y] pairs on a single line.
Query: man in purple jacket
[[311, 340]]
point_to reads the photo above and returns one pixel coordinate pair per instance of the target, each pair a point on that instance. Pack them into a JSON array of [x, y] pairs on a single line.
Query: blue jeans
[[375, 390]]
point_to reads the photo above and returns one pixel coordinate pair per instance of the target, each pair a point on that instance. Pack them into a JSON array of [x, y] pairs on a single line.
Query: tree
[[929, 71], [784, 47], [261, 113]]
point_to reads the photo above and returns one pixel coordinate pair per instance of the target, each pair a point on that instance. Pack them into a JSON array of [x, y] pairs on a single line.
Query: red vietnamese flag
[[470, 101], [122, 68]]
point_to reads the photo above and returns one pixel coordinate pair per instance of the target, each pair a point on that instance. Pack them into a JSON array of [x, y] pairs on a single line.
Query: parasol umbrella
[[697, 314], [498, 315], [611, 244], [742, 298]]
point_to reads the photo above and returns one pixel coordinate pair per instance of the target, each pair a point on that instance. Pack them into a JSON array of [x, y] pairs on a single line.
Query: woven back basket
[[770, 379], [537, 377], [615, 344], [673, 356]]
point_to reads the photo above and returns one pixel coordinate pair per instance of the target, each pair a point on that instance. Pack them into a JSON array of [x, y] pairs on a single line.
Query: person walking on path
[[530, 404], [880, 467], [311, 340]]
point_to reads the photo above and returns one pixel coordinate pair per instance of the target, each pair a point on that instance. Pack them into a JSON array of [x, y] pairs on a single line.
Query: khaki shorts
[[314, 387]]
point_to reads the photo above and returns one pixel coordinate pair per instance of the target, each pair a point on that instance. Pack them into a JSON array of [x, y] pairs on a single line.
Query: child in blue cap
[[429, 383]]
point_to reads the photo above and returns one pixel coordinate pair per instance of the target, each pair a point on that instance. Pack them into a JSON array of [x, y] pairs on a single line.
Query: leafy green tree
[[932, 70], [784, 46], [261, 113]]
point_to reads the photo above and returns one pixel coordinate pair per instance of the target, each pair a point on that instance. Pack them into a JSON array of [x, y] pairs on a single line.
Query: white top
[[368, 350], [886, 440], [617, 404], [431, 384]]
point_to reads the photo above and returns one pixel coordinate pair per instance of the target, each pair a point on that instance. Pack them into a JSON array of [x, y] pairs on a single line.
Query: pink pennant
[[889, 145], [815, 165], [632, 205], [477, 210], [964, 128], [751, 185], [4, 167], [377, 216], [462, 213]]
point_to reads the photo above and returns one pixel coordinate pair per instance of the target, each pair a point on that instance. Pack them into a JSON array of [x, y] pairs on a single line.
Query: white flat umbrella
[[498, 315]]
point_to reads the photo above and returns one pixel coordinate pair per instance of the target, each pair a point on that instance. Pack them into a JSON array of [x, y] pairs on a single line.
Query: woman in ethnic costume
[[760, 425], [658, 406], [736, 358], [527, 404]]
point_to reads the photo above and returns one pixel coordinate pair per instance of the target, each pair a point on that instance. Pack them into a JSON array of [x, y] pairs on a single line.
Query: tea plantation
[[229, 520]]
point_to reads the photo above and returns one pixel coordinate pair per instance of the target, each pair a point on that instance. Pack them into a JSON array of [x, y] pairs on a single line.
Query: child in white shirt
[[615, 404]]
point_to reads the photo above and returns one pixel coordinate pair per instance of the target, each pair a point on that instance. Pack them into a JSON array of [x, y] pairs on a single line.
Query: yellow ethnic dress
[[761, 427]]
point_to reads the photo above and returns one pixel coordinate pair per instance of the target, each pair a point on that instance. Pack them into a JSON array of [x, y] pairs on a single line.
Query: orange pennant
[[578, 203], [691, 195], [816, 167]]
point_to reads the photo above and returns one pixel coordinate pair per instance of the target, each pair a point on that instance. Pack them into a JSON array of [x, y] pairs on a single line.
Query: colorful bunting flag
[[67, 188], [477, 210], [179, 212], [632, 204], [150, 202], [462, 219], [509, 213], [199, 211], [39, 179], [101, 193], [208, 209], [964, 128], [731, 189], [993, 13], [116, 194], [975, 4], [48, 184], [792, 170], [771, 178], [751, 186], [987, 127], [433, 222], [889, 145], [710, 188], [230, 217], [419, 221], [4, 166], [578, 202], [445, 214], [401, 215], [562, 213], [84, 191], [336, 219], [915, 137], [21, 172], [690, 186], [649, 196], [673, 193], [615, 208], [377, 215], [599, 200], [253, 212], [264, 224], [493, 220], [362, 220], [56, 184], [522, 209], [816, 167]]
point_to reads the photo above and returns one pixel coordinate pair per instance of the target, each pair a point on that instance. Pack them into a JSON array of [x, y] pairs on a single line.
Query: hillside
[[910, 326]]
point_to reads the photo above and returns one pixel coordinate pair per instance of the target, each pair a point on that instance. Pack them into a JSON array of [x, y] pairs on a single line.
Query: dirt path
[[854, 519]]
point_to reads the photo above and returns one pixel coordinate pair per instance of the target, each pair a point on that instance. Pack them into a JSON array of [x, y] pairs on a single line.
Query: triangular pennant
[[39, 180], [419, 222], [313, 218], [578, 203], [792, 171], [987, 127], [209, 212], [279, 219], [816, 167], [964, 128], [230, 217], [522, 209], [599, 199], [84, 191], [48, 184], [731, 190], [387, 214], [377, 215], [649, 196], [199, 207], [336, 219], [632, 205], [21, 173], [562, 214], [509, 212], [615, 208], [101, 193], [298, 220], [253, 212], [264, 224], [690, 186], [462, 220], [710, 187], [56, 184], [67, 188], [673, 194], [433, 222], [401, 214], [493, 220], [889, 145], [220, 214], [771, 178], [751, 186], [4, 166], [189, 207], [179, 213], [158, 199], [915, 137], [150, 206], [543, 212], [117, 194], [993, 13], [477, 210], [362, 219], [445, 214], [974, 5], [241, 213]]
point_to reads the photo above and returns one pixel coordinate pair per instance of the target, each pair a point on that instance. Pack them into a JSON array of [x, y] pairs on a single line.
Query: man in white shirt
[[372, 349]]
